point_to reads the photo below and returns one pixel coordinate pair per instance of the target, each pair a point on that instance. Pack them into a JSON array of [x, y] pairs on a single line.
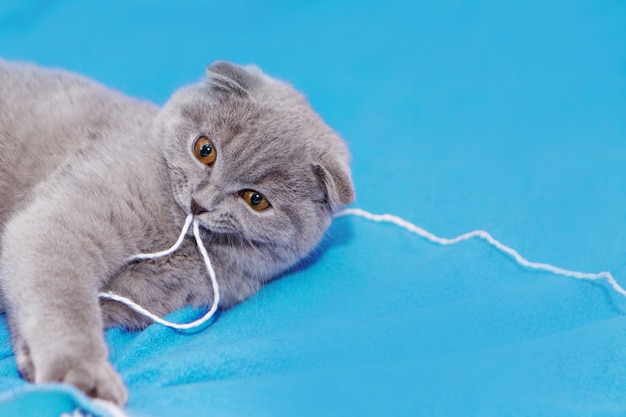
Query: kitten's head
[[259, 168]]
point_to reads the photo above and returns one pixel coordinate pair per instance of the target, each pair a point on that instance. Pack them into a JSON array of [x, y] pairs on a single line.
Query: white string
[[207, 261], [481, 234], [381, 218]]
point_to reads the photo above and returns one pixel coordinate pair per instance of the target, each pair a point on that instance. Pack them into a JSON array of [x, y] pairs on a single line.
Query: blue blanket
[[506, 116]]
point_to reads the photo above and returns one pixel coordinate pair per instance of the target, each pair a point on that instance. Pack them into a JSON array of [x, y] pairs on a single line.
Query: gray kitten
[[90, 177]]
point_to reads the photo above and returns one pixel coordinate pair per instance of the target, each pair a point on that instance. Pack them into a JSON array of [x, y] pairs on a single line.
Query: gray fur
[[89, 177]]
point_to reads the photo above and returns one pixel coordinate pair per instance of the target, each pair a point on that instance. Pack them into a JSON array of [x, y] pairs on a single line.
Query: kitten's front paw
[[96, 379]]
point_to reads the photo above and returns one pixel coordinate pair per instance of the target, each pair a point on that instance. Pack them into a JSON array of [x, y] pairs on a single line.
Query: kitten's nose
[[197, 208]]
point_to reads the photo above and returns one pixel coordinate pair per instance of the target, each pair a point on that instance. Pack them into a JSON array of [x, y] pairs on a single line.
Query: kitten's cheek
[[182, 200], [182, 194]]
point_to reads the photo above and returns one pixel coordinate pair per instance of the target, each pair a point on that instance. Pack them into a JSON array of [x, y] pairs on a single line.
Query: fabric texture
[[497, 115]]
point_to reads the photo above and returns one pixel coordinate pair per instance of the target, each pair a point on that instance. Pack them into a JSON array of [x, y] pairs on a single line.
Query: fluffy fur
[[89, 177]]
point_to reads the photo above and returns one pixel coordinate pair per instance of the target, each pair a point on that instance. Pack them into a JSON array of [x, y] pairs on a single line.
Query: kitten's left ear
[[234, 79], [334, 174]]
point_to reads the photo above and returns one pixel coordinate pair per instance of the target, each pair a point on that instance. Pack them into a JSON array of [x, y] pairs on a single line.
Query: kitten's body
[[89, 177]]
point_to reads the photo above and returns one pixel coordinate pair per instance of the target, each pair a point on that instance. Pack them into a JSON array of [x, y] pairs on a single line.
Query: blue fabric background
[[502, 115]]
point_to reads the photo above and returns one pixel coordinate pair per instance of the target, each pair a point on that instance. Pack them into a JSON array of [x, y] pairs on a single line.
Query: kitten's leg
[[47, 353], [51, 275]]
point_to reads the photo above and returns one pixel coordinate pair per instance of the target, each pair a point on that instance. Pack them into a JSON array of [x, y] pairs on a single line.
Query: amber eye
[[204, 150], [255, 200]]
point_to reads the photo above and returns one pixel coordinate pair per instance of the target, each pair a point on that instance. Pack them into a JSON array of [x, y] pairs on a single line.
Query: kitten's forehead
[[279, 130], [269, 146]]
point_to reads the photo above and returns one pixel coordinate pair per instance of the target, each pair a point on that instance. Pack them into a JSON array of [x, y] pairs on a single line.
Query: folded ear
[[334, 175], [233, 79]]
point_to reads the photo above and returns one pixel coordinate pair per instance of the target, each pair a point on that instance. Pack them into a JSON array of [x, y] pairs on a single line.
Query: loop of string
[[207, 262]]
